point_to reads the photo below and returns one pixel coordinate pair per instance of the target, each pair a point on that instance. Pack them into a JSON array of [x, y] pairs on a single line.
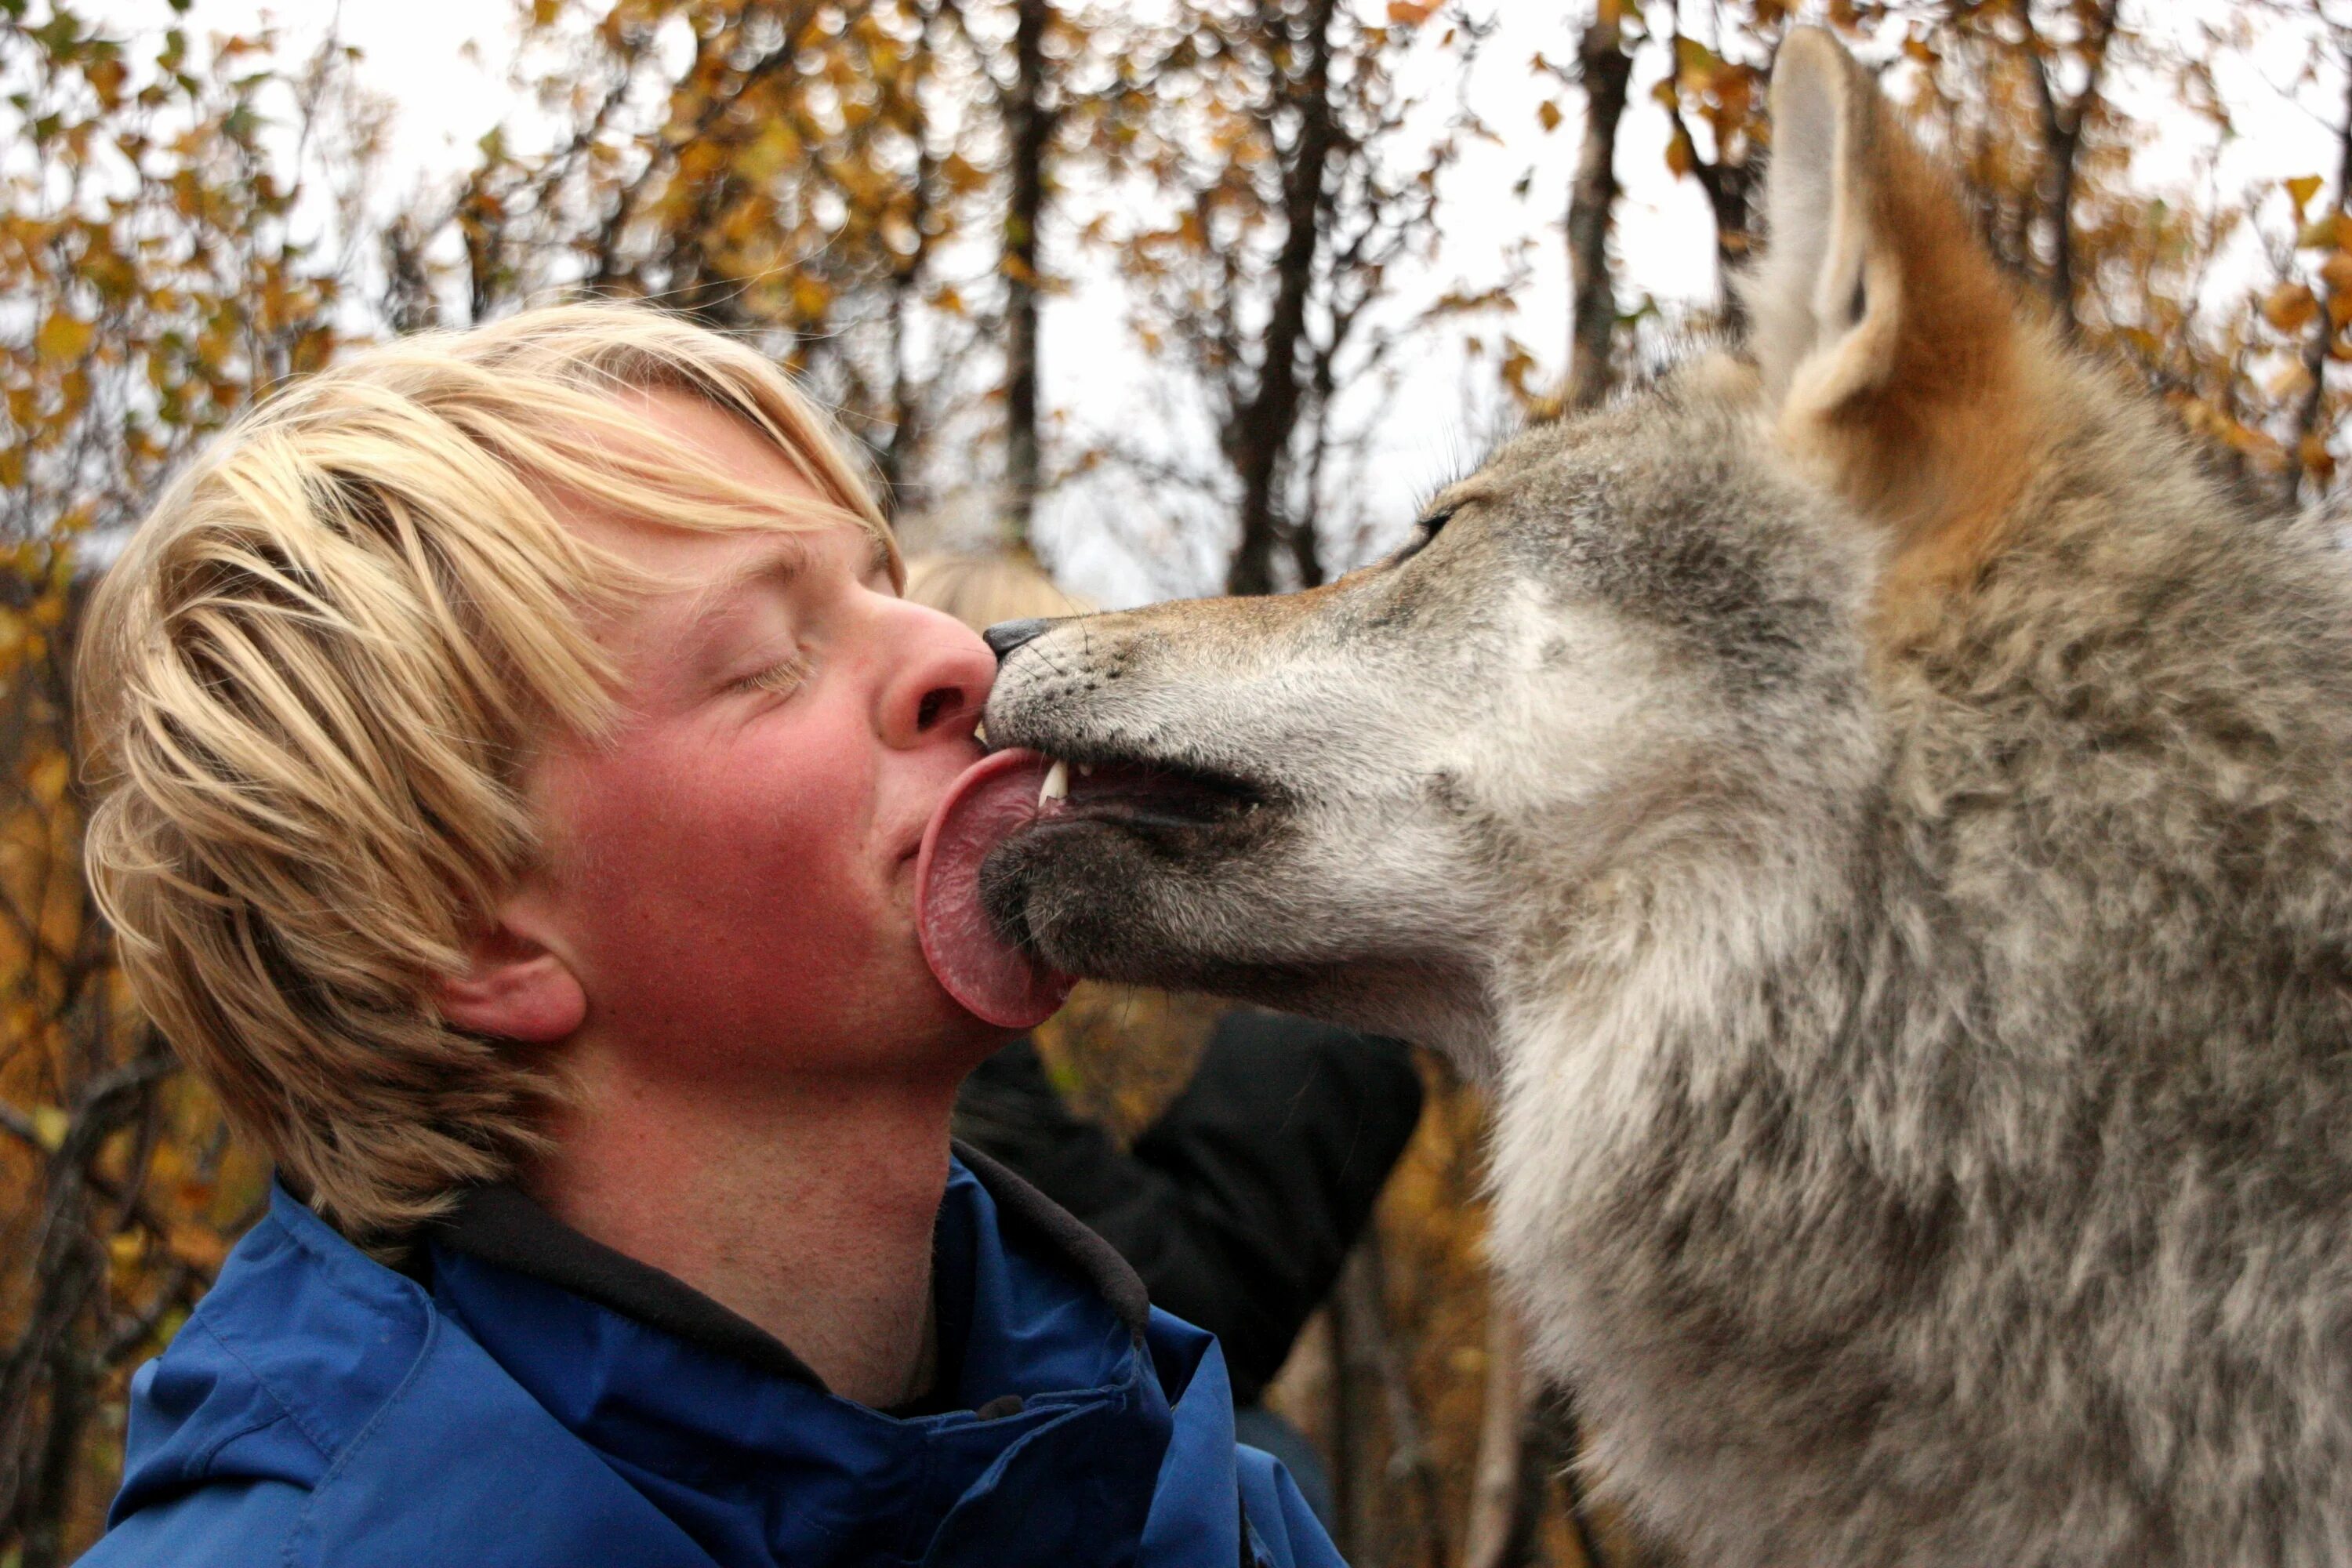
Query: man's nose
[[1006, 636], [941, 685]]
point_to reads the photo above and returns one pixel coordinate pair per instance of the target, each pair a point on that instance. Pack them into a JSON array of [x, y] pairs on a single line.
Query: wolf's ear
[[1816, 312], [1885, 337]]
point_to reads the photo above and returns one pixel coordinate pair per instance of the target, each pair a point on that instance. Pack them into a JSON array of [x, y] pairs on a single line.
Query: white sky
[[416, 52]]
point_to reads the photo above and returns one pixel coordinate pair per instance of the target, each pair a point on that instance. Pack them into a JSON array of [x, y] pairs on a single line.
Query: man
[[513, 754]]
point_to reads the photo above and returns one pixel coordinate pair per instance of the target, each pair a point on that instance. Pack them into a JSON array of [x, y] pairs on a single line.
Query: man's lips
[[912, 841]]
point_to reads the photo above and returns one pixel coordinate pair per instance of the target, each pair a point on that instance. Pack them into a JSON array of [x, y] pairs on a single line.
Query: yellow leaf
[[1679, 157], [1412, 12], [769, 154], [2302, 188], [46, 776], [203, 1247], [62, 337], [49, 1127], [811, 297], [1548, 112], [2290, 307]]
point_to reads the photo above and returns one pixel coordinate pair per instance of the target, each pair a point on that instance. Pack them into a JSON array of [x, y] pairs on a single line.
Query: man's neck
[[805, 1208]]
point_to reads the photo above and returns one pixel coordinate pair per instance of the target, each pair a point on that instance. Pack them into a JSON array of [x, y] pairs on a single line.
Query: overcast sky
[[446, 96]]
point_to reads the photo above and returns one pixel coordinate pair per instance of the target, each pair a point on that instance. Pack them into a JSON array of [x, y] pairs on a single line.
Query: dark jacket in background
[[1238, 1206]]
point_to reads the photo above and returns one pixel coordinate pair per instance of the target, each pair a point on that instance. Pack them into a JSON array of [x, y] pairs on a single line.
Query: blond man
[[513, 751]]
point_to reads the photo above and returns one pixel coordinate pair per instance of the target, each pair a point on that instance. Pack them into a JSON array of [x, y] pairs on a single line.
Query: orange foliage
[[830, 180]]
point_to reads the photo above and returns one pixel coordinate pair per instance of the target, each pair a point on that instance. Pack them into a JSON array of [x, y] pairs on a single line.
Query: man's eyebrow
[[776, 563], [788, 554], [877, 553]]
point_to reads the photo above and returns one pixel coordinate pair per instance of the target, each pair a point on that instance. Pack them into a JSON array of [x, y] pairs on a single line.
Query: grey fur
[[1924, 1070]]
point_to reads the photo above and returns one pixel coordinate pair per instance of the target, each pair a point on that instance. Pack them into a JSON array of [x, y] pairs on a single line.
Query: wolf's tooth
[[1057, 783], [1086, 770]]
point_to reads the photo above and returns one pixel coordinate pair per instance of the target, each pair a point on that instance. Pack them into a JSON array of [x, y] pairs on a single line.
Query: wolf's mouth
[[975, 936], [1140, 794]]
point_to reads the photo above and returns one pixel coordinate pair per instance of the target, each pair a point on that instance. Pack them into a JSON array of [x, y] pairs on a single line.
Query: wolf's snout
[[1006, 635]]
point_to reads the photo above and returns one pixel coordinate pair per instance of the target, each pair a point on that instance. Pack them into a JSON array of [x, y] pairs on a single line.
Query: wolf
[[1876, 810]]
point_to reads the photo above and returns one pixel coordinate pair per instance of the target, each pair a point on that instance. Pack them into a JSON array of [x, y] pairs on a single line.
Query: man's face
[[731, 876]]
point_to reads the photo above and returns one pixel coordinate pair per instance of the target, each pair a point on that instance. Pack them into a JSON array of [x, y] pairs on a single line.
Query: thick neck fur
[[1900, 1161]]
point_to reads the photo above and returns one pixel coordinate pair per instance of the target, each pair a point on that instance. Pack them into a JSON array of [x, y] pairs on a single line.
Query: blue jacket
[[320, 1407]]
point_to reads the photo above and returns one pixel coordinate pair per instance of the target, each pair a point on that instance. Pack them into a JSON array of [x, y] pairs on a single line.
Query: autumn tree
[[164, 264], [795, 182], [862, 188], [2022, 96], [1713, 93], [1270, 141]]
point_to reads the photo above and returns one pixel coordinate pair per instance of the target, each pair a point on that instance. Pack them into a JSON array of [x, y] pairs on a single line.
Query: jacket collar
[[732, 1437], [505, 1226]]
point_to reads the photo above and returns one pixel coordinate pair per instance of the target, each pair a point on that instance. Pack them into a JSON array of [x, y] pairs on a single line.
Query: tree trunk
[[49, 1496], [1492, 1537], [1731, 196], [38, 1462], [1355, 1487], [2062, 137], [1029, 126], [896, 460], [1606, 71], [1364, 1285], [1260, 435]]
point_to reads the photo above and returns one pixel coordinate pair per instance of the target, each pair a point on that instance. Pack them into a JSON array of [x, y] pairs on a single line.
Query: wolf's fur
[[1879, 815]]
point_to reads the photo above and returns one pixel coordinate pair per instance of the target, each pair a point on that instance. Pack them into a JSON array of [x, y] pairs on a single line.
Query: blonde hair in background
[[311, 683], [982, 590]]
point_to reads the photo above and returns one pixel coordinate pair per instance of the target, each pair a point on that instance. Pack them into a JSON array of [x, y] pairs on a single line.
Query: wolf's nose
[[1006, 636]]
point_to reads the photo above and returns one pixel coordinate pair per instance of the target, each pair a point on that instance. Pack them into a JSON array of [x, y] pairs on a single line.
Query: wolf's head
[[1626, 661]]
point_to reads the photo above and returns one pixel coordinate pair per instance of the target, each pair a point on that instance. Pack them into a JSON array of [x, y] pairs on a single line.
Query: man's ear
[[1889, 347], [516, 985]]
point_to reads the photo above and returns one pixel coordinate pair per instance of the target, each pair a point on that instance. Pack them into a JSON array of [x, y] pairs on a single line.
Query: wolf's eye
[[1425, 530]]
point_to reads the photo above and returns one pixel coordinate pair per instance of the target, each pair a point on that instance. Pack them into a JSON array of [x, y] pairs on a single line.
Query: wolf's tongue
[[992, 979]]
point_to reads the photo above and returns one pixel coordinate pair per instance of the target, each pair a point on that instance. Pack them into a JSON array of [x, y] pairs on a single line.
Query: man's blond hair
[[310, 684]]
